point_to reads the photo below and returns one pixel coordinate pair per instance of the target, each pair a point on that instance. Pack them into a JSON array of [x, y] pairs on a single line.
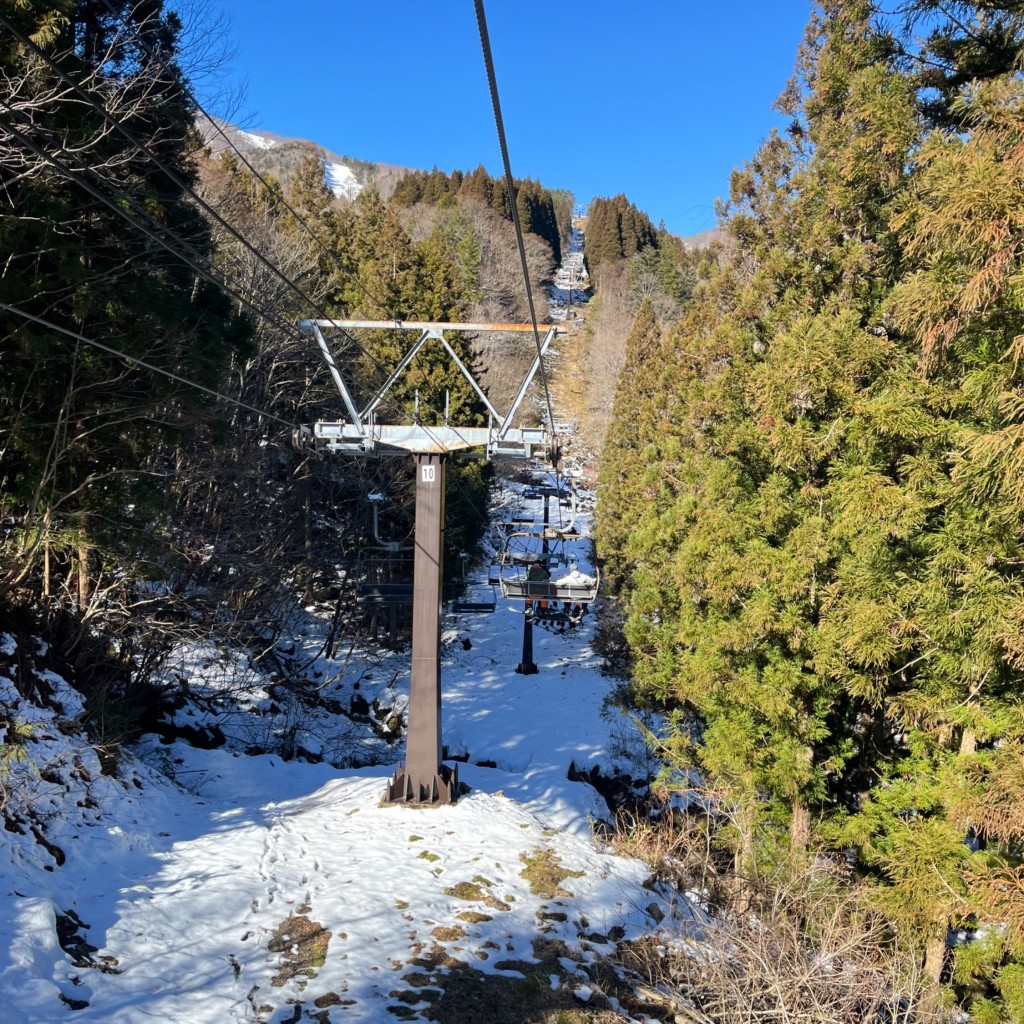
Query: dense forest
[[139, 269], [542, 212], [811, 506]]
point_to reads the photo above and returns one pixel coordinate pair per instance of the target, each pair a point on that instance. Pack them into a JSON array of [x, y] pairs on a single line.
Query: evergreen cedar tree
[[543, 212], [77, 424], [616, 230], [811, 499]]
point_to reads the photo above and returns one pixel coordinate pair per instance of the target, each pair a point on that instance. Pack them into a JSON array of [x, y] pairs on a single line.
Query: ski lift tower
[[422, 779]]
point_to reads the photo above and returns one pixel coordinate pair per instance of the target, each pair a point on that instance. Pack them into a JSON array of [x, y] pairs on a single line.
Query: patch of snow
[[341, 180], [256, 140]]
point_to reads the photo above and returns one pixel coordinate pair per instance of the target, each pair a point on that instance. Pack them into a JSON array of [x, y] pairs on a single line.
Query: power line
[[141, 362], [263, 181], [161, 235], [135, 222], [154, 158], [283, 201]]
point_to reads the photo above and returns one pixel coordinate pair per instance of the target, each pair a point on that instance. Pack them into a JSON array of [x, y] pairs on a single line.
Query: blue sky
[[659, 99]]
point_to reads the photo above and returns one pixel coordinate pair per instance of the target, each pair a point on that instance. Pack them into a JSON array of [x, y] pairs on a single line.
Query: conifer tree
[[823, 572], [628, 435], [78, 424]]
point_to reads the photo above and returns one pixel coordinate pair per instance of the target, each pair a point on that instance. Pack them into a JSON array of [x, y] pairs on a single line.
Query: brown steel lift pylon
[[422, 779]]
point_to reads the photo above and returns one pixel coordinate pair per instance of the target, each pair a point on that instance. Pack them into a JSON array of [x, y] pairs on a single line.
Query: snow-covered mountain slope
[[280, 155], [215, 885], [342, 180]]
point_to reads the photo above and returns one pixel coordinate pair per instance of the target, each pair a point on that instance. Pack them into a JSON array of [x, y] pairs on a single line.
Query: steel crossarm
[[375, 439], [507, 441]]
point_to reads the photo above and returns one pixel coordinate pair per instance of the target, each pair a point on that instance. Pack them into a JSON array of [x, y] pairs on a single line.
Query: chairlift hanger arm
[[528, 379], [346, 397]]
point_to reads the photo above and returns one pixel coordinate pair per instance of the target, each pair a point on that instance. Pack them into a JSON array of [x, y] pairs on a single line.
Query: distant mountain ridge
[[280, 155], [703, 239]]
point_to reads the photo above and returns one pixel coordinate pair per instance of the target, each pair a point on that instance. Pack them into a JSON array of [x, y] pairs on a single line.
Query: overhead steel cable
[[180, 183], [492, 81], [169, 240], [142, 362], [159, 233], [147, 151], [263, 181]]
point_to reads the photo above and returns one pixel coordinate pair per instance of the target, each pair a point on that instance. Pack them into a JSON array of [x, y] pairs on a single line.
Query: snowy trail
[[281, 891]]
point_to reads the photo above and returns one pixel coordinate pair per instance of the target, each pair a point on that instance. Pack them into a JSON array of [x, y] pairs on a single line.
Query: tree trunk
[[935, 955], [800, 830], [968, 742], [746, 852], [307, 536], [83, 577]]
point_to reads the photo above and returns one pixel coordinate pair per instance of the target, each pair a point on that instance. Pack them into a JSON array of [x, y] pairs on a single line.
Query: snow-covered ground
[[217, 886], [258, 141], [341, 180]]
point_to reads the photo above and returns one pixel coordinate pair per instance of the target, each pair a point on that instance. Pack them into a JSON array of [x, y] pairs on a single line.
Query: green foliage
[[12, 749], [78, 424], [616, 230], [815, 514], [541, 211]]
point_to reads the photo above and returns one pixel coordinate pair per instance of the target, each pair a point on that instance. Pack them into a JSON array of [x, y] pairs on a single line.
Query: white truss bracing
[[361, 434]]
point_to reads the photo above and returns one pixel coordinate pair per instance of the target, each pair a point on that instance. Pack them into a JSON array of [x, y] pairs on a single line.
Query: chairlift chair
[[532, 575], [384, 569], [478, 597], [385, 574]]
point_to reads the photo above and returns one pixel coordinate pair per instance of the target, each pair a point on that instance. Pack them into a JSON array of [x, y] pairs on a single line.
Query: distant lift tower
[[422, 778]]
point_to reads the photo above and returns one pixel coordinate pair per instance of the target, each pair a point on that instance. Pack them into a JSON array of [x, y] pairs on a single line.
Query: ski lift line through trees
[[510, 188], [423, 779]]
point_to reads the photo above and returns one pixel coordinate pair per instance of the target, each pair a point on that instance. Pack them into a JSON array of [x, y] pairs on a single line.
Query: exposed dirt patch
[[465, 996], [303, 944], [545, 873], [473, 917]]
